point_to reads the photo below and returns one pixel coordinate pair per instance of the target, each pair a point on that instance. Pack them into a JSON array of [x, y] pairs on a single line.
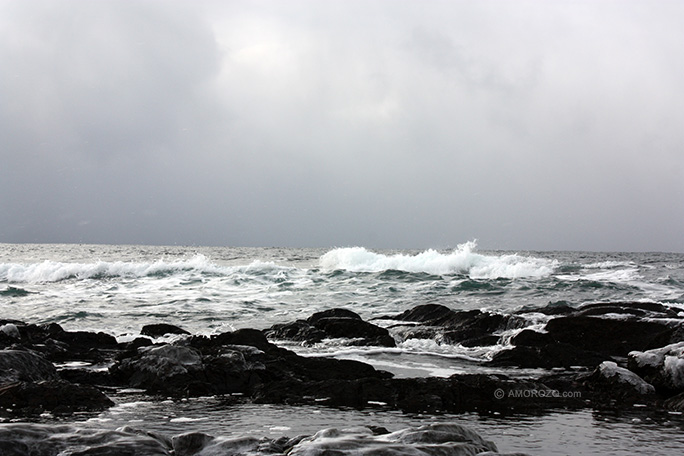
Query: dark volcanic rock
[[606, 336], [636, 309], [332, 323], [24, 366], [433, 439], [26, 439], [245, 336], [166, 368], [457, 394], [675, 403], [587, 337], [161, 329], [190, 443], [233, 362], [365, 333], [57, 396], [470, 328], [429, 440], [616, 385], [86, 339], [333, 313], [531, 338], [552, 309], [547, 356], [432, 314], [297, 331], [58, 345], [663, 367], [481, 341], [29, 384]]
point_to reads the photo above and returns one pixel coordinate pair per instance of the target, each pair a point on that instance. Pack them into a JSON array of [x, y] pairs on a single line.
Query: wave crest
[[462, 260], [55, 271]]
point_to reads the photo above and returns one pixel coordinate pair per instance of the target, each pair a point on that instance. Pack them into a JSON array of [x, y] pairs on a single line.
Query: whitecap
[[462, 260]]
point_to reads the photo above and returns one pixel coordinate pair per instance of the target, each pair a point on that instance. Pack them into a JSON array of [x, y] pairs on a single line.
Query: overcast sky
[[547, 125]]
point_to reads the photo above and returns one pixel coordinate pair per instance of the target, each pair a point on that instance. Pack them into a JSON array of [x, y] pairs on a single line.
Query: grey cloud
[[386, 124]]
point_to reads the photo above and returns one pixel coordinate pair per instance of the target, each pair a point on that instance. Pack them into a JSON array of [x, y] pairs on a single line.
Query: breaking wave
[[55, 271], [462, 260]]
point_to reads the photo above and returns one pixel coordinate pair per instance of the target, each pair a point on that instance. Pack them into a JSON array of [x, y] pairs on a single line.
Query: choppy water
[[207, 290]]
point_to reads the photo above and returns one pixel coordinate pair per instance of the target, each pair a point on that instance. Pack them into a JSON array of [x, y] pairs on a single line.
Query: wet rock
[[634, 309], [457, 394], [333, 323], [675, 403], [161, 329], [552, 309], [246, 336], [58, 345], [10, 331], [531, 338], [431, 314], [614, 384], [91, 340], [49, 440], [333, 313], [57, 396], [191, 443], [586, 338], [434, 439], [547, 356], [235, 446], [609, 337], [163, 368], [363, 332], [481, 341], [297, 331], [470, 328], [663, 367], [24, 366], [674, 335]]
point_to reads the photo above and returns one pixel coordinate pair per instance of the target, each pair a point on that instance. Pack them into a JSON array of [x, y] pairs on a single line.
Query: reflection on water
[[558, 433]]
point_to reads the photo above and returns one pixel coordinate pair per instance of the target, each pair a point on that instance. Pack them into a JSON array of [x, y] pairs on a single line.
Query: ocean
[[209, 290]]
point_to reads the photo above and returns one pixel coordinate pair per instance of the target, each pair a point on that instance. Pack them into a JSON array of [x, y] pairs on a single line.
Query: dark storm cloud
[[551, 125]]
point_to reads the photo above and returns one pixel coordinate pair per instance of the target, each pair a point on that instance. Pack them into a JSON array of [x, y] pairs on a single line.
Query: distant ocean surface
[[206, 290]]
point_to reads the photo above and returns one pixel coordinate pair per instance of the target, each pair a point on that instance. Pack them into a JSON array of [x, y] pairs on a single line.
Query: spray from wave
[[462, 260]]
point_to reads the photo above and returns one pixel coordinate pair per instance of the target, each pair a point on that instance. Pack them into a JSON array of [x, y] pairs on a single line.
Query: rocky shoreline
[[596, 356]]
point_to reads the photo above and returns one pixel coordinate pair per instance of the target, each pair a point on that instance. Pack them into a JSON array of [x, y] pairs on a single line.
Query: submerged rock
[[50, 440], [434, 439]]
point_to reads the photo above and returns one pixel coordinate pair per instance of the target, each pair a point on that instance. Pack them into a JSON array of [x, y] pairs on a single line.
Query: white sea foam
[[610, 264], [612, 276], [55, 271], [462, 260]]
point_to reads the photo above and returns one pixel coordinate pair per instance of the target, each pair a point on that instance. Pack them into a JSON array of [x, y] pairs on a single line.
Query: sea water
[[208, 290]]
